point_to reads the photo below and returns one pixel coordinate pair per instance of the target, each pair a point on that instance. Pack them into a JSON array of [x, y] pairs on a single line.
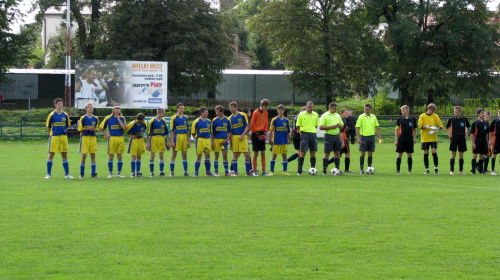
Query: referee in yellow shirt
[[307, 124], [332, 124], [366, 127]]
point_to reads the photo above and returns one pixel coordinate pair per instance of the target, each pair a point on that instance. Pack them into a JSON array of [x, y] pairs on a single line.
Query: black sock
[[398, 164], [461, 164], [480, 164], [435, 159], [325, 164], [348, 162], [293, 157], [473, 166], [301, 162], [370, 161], [332, 160], [452, 165], [493, 164], [313, 162], [426, 161], [361, 162], [410, 163], [337, 163], [486, 163]]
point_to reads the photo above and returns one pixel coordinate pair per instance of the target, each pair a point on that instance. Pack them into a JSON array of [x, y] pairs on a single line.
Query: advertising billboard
[[129, 84]]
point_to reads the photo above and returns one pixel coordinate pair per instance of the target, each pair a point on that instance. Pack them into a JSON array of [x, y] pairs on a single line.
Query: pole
[[67, 88]]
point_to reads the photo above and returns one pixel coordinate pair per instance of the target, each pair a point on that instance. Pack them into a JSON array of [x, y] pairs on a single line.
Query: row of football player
[[227, 131], [224, 131]]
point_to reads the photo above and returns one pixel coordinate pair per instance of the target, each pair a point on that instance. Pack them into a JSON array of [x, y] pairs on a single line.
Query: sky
[[30, 17]]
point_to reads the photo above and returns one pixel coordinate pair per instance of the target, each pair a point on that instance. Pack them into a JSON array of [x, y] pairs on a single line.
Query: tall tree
[[326, 43], [438, 48], [188, 34], [14, 47]]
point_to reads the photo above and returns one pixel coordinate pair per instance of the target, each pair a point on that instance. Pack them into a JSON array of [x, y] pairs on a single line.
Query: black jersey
[[406, 126], [458, 125], [350, 122], [480, 129], [495, 127]]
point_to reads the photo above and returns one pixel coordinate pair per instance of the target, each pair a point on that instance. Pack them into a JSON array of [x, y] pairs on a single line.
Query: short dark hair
[[343, 110], [233, 104], [265, 102], [331, 105], [281, 107], [219, 108], [179, 105], [479, 110], [57, 100], [368, 105], [140, 116], [246, 110], [203, 109]]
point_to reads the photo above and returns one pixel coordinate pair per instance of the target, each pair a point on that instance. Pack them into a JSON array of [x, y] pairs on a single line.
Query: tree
[[438, 48], [14, 48], [56, 49], [187, 34], [326, 43], [89, 29]]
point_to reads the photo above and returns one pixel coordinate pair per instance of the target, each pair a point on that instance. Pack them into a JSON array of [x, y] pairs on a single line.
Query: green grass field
[[355, 226]]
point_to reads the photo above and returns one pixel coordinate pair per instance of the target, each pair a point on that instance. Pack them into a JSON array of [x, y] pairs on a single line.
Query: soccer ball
[[313, 171], [335, 172], [370, 170]]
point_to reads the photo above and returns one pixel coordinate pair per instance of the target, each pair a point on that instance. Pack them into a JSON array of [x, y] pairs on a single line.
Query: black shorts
[[296, 141], [405, 144], [259, 141], [457, 142], [332, 143], [308, 141], [429, 145], [481, 146], [367, 144], [346, 148], [496, 146]]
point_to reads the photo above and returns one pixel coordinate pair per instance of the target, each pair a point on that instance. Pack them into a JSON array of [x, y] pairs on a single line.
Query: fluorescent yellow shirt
[[432, 120], [329, 119], [367, 124], [308, 122]]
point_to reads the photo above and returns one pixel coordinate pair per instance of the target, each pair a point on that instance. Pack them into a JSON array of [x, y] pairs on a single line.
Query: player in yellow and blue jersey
[[135, 130], [87, 126], [112, 127], [57, 127], [239, 143], [279, 138], [180, 139], [221, 128], [158, 140], [202, 132]]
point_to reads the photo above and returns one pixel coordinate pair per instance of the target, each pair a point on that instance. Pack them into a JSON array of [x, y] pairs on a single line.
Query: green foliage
[[14, 48], [187, 34], [57, 49], [472, 104], [385, 105], [437, 51], [330, 49]]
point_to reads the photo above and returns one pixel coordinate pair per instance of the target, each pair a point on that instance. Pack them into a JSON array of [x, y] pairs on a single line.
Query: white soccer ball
[[313, 171], [370, 170], [335, 172]]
